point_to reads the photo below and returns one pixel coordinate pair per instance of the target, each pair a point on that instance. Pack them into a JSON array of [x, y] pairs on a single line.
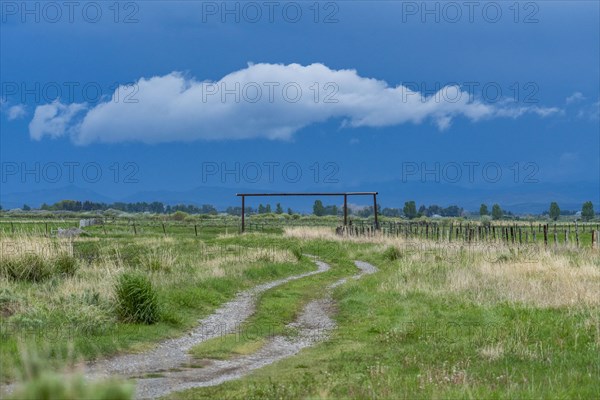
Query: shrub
[[179, 216], [392, 253], [486, 220], [137, 300]]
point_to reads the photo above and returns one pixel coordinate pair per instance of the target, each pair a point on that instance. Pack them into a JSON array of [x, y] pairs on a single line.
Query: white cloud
[[54, 119], [575, 97], [589, 111], [177, 108], [16, 112], [516, 112]]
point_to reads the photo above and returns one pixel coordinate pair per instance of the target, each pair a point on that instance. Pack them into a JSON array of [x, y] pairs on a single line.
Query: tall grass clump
[[297, 252], [28, 267], [65, 264], [392, 253], [137, 300], [40, 381], [35, 267]]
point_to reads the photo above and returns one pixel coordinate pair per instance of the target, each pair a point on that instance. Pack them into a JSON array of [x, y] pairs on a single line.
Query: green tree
[[587, 211], [496, 211], [290, 212], [268, 209], [483, 210], [261, 209], [554, 211], [410, 209], [26, 207], [279, 209], [318, 208]]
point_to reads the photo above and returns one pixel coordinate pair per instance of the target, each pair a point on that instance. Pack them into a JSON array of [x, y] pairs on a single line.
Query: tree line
[[409, 210]]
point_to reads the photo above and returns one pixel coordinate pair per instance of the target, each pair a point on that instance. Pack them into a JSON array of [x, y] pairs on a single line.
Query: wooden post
[[345, 209], [196, 230], [134, 230], [46, 224], [375, 211], [243, 213], [164, 230], [545, 235]]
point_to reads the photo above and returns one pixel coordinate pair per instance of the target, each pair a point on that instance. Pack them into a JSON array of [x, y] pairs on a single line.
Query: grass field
[[438, 320]]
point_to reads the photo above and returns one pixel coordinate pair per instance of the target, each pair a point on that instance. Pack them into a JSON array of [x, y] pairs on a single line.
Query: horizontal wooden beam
[[310, 194]]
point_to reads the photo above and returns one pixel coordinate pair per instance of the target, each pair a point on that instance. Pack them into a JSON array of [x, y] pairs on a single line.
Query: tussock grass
[[137, 300]]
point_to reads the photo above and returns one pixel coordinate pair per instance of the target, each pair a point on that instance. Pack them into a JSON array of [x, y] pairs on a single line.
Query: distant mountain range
[[519, 199]]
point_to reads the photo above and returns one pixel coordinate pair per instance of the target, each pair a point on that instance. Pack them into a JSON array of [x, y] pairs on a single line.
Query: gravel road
[[313, 325], [169, 368]]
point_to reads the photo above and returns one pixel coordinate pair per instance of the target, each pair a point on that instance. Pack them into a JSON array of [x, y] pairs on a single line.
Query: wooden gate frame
[[345, 194]]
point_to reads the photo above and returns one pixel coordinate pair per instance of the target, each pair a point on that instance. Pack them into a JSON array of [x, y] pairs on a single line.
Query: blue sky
[[374, 124]]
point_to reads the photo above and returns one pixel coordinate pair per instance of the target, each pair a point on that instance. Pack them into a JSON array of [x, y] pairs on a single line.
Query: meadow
[[489, 318]]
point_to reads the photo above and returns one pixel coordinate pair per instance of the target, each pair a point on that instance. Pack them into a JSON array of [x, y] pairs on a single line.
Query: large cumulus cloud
[[271, 101]]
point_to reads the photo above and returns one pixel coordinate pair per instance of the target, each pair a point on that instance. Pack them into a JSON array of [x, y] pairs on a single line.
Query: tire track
[[173, 353], [313, 325]]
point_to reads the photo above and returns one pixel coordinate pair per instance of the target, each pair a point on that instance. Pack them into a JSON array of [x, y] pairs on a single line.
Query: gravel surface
[[169, 368], [173, 353], [313, 325]]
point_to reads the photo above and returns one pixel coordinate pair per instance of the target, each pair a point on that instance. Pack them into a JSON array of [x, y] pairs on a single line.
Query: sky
[[438, 102]]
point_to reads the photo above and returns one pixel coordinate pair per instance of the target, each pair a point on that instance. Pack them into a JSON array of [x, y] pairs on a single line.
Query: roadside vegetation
[[439, 320]]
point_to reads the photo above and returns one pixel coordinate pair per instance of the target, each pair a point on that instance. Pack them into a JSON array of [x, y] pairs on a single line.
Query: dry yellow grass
[[485, 272], [18, 246], [550, 281], [161, 258]]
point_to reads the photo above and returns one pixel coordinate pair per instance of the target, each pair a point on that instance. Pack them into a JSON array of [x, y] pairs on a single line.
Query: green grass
[[432, 344], [404, 332], [275, 308], [137, 300], [53, 312]]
